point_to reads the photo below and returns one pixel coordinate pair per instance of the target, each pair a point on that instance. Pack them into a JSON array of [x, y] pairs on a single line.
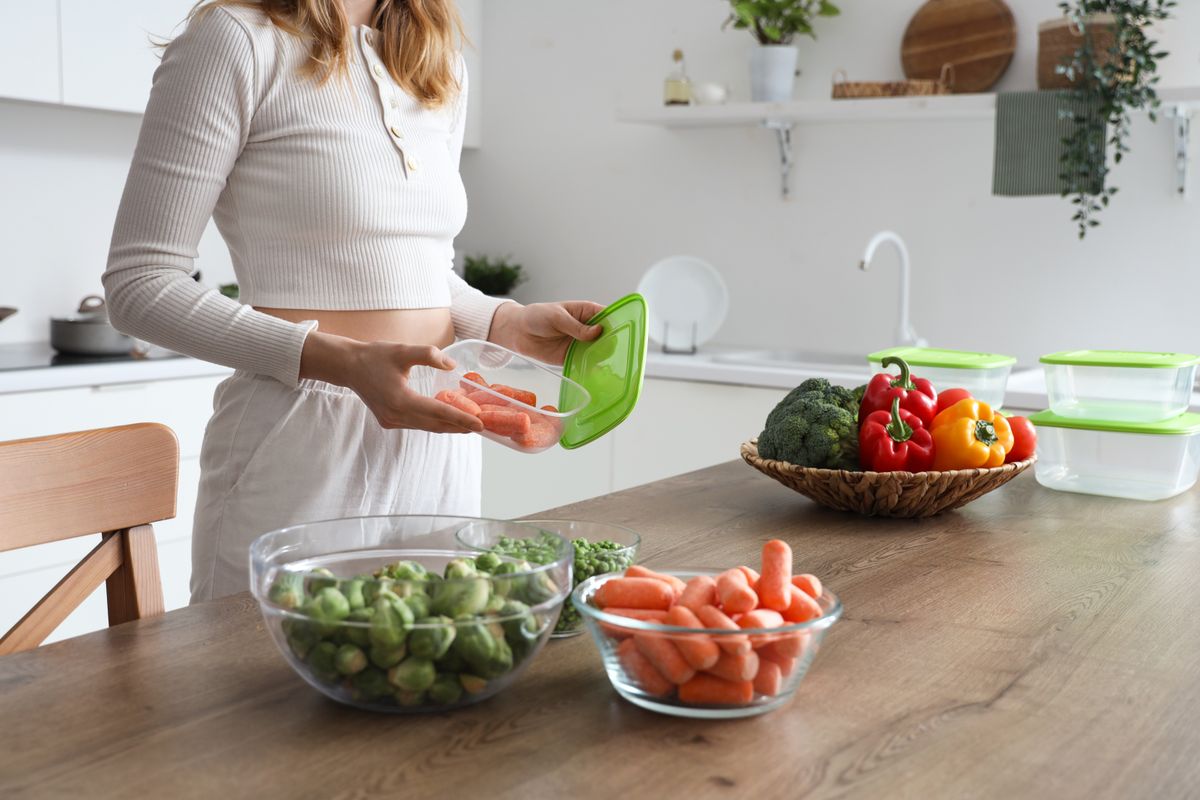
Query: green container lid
[[1182, 425], [611, 368], [943, 359], [1121, 358]]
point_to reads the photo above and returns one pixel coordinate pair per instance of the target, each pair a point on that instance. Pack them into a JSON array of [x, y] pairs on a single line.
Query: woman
[[323, 136]]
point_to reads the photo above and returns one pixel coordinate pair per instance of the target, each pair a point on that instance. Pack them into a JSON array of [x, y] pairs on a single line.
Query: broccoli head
[[821, 390], [811, 432]]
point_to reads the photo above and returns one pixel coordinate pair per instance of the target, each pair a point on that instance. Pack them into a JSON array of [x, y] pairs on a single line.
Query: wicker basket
[[912, 495], [1059, 39], [846, 89]]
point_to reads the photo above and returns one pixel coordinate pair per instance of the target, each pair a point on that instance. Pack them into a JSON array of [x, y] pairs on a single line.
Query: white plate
[[686, 301]]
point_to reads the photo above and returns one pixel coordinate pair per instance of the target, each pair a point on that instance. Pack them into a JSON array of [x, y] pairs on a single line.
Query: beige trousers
[[274, 457]]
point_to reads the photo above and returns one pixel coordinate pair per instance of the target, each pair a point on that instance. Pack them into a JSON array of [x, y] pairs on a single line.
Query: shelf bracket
[[783, 131], [1182, 116]]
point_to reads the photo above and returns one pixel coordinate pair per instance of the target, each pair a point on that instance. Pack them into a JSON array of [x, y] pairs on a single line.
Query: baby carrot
[[761, 618], [714, 618], [707, 690], [809, 584], [735, 593], [472, 381], [789, 645], [635, 593], [699, 650], [539, 436], [802, 608], [638, 667], [551, 409], [699, 591], [776, 581], [769, 678], [735, 667], [644, 614], [638, 571], [504, 421], [665, 657], [486, 399], [751, 576], [459, 401], [520, 395]]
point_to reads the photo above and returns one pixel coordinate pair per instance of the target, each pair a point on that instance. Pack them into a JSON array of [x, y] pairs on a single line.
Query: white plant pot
[[773, 73]]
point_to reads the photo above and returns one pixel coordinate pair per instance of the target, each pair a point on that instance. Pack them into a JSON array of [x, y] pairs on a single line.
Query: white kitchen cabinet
[[108, 52], [680, 426], [29, 66], [518, 484], [472, 17]]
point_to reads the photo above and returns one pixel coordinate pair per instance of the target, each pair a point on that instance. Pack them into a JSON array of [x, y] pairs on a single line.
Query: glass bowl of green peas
[[600, 548], [408, 613]]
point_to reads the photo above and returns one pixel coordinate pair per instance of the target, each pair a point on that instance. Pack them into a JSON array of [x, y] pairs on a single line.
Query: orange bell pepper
[[968, 435]]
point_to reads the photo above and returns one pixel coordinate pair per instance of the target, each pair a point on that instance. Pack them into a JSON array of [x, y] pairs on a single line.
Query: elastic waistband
[[305, 386]]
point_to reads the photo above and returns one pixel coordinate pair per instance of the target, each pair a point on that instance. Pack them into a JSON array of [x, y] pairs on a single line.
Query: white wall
[[589, 203], [61, 175]]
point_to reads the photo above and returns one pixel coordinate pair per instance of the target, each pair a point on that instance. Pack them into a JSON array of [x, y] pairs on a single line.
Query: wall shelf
[[1181, 105]]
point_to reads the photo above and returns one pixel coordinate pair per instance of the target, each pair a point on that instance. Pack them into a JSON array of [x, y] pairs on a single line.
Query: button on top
[[395, 130], [369, 37], [378, 70], [412, 163]]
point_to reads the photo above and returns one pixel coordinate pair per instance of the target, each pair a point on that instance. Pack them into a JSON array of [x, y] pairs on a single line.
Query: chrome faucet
[[905, 335]]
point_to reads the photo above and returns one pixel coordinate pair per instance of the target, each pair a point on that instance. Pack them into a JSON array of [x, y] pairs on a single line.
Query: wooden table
[[1034, 644]]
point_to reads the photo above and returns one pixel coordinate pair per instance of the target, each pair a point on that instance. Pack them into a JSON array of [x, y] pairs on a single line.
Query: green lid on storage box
[[944, 359], [1182, 425], [611, 368], [1121, 358]]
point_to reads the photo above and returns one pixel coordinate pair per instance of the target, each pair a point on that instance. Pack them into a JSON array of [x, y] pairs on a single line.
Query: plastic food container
[[1135, 460], [984, 375], [793, 647], [1119, 386], [420, 637], [500, 366]]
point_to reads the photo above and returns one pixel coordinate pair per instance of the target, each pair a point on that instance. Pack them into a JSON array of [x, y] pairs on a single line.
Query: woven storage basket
[[912, 495], [844, 89]]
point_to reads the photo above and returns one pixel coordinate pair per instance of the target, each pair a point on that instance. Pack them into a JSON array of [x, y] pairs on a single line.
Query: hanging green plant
[[1107, 88]]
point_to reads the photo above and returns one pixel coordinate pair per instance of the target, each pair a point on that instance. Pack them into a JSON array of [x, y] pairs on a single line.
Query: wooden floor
[[1032, 645]]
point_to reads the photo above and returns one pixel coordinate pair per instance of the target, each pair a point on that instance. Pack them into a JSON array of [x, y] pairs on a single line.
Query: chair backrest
[[111, 481]]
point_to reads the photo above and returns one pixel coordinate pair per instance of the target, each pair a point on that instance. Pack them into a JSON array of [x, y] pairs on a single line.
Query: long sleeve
[[470, 309], [195, 126]]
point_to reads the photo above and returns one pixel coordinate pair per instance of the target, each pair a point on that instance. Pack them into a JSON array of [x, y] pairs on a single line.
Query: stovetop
[[38, 355]]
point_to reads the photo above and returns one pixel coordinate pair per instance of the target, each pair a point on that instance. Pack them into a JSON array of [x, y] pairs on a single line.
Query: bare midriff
[[418, 326]]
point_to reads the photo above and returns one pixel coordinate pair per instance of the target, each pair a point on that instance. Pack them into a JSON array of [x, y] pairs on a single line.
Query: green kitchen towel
[[1030, 129]]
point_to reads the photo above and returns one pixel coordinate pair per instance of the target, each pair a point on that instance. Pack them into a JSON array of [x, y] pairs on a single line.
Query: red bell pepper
[[1024, 439], [895, 441], [916, 395]]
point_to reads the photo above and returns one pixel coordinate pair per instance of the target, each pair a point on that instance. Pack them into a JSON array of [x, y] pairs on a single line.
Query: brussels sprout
[[353, 590], [459, 568], [390, 622], [488, 562], [521, 629], [301, 635], [446, 689], [431, 642], [350, 660], [287, 590], [472, 683], [420, 604], [474, 643], [328, 605], [501, 587], [370, 684], [494, 604], [358, 634], [373, 587], [409, 699], [322, 660], [454, 598], [386, 657], [404, 571], [452, 661], [499, 662], [535, 589], [412, 674], [319, 579]]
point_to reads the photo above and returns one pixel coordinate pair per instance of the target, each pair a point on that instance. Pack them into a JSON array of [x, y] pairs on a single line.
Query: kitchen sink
[[793, 359]]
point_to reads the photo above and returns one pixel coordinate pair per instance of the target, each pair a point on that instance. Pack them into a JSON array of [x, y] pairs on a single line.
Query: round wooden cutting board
[[978, 37]]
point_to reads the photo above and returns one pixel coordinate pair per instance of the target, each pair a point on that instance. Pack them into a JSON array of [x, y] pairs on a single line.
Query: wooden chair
[[115, 481]]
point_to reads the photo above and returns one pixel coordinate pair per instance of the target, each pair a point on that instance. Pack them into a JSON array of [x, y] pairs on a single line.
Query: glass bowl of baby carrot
[[523, 404], [709, 643]]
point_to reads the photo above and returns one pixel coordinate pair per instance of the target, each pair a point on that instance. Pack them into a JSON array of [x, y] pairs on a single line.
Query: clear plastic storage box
[[1119, 386], [1136, 460], [984, 375]]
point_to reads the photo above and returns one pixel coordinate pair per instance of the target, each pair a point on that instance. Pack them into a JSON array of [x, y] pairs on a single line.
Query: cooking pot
[[6, 312], [88, 332]]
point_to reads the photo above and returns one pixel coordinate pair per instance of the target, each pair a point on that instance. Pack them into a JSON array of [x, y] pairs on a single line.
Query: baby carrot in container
[[472, 381], [638, 571], [505, 422], [751, 576], [640, 669], [771, 653], [760, 618], [665, 656], [769, 679], [713, 617], [635, 593], [520, 395], [538, 437], [735, 667], [486, 399], [734, 592], [809, 584], [802, 608], [643, 614], [699, 591], [775, 582], [699, 650], [459, 401], [709, 690]]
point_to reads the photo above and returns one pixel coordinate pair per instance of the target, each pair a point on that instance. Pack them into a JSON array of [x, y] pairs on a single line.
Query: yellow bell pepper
[[968, 435]]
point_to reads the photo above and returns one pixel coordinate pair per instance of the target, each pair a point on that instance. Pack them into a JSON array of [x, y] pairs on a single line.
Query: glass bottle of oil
[[678, 88]]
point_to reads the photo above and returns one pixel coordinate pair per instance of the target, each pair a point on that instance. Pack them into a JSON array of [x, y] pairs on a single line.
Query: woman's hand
[[544, 331], [378, 373]]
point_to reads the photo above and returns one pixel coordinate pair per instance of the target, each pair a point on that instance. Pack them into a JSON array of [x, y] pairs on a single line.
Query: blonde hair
[[418, 40]]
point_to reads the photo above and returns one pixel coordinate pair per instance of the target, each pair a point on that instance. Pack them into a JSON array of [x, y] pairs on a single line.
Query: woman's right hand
[[378, 373]]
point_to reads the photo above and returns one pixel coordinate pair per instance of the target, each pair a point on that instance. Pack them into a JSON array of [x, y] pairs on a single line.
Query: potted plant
[[493, 276], [775, 24], [1107, 86]]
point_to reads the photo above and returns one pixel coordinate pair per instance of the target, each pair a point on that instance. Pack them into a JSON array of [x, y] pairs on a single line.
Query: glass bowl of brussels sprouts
[[408, 613], [599, 548]]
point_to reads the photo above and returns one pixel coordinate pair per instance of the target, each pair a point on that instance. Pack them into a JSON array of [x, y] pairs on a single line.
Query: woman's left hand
[[544, 331]]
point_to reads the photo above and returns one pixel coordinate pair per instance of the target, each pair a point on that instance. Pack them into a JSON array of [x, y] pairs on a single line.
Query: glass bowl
[[790, 648], [407, 613]]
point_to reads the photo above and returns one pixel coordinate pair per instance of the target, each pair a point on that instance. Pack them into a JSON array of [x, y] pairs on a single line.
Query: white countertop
[[105, 373]]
